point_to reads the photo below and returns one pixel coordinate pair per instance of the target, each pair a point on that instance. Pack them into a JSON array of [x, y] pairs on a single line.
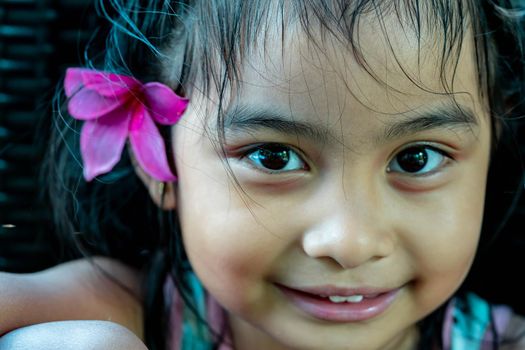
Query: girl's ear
[[162, 193]]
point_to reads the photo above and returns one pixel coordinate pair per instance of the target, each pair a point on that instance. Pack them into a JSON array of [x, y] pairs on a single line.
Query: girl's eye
[[417, 160], [275, 158]]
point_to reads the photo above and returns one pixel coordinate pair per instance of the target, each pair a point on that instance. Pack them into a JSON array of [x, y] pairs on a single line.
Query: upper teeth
[[339, 299]]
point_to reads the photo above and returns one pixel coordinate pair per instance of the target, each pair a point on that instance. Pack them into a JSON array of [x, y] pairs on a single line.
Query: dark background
[[38, 40]]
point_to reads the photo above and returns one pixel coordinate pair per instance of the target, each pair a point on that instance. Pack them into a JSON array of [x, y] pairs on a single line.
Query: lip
[[311, 301]]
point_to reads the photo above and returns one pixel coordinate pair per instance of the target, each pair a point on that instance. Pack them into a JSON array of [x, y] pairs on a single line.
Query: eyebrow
[[252, 119], [448, 116]]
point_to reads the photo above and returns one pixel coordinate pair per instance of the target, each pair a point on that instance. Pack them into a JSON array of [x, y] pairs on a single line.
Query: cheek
[[445, 242], [223, 244], [231, 264], [230, 251], [229, 247]]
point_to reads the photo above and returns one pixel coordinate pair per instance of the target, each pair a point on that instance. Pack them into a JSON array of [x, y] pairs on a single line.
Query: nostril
[[386, 246]]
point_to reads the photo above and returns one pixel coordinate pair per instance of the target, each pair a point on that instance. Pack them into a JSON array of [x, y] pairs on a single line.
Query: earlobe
[[161, 193]]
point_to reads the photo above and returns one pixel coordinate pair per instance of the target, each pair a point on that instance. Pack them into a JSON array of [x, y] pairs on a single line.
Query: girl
[[322, 185]]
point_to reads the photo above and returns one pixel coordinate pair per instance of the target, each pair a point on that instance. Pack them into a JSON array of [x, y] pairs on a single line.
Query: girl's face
[[355, 205]]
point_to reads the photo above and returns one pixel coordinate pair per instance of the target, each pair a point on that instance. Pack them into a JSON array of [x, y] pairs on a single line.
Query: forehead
[[383, 63], [387, 69]]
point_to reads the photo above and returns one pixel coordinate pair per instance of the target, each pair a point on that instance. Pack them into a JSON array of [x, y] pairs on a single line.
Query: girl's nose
[[349, 239]]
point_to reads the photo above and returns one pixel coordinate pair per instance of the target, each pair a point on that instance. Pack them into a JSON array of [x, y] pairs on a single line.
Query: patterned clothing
[[470, 324]]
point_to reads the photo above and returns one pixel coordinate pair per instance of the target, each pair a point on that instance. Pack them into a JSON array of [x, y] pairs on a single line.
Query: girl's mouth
[[339, 306]]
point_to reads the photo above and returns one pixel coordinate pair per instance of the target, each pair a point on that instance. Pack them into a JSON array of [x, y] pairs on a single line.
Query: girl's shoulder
[[94, 289], [473, 323]]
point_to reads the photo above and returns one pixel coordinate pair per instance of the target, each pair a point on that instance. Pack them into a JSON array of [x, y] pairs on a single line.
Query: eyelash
[[424, 150], [256, 155]]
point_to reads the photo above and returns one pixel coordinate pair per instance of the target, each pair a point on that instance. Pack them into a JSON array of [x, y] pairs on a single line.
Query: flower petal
[[105, 83], [87, 104], [165, 106], [148, 146], [72, 81], [102, 142]]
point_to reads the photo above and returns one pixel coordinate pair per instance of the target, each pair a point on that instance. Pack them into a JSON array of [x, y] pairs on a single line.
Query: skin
[[344, 215], [72, 306], [81, 335]]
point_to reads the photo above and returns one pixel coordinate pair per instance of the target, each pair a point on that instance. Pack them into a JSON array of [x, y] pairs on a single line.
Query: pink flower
[[115, 107]]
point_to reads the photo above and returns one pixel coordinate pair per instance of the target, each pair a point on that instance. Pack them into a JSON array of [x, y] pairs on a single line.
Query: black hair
[[207, 41]]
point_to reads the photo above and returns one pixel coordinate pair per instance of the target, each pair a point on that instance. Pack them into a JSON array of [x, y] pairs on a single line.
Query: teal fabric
[[471, 320], [194, 333]]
